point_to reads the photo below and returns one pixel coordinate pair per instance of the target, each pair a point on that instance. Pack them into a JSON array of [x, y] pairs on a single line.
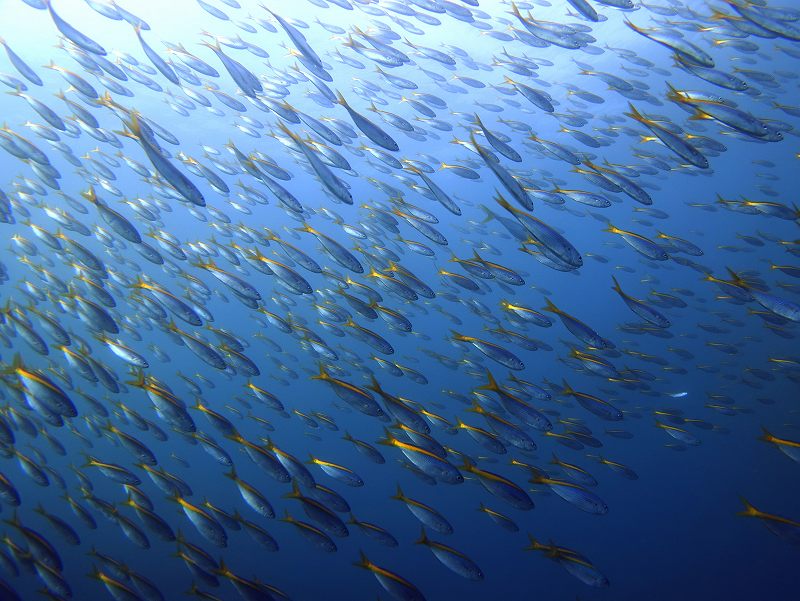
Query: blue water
[[672, 534]]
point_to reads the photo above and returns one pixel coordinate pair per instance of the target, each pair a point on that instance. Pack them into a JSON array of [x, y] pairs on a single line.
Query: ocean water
[[684, 407]]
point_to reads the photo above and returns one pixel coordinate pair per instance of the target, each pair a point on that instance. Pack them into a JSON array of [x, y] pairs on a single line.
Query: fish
[[641, 309], [574, 494], [394, 584], [572, 561], [368, 128], [427, 461], [787, 447], [596, 405], [679, 146], [782, 527], [492, 350], [352, 232], [451, 558]]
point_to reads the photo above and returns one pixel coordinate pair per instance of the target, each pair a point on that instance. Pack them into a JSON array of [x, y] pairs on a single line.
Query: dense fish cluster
[[458, 270]]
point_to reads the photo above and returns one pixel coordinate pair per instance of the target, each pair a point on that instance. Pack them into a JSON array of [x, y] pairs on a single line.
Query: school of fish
[[287, 293]]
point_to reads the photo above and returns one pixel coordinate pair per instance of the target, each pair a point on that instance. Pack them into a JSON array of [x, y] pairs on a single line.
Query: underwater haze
[[382, 299]]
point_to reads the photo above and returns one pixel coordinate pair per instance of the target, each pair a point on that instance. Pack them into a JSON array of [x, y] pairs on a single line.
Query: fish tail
[[399, 496], [504, 203], [374, 385], [476, 408], [472, 139], [423, 538], [138, 382], [700, 116], [90, 195], [222, 570], [323, 373], [288, 131], [766, 436], [536, 476], [295, 492], [749, 510], [635, 113], [363, 561], [489, 214], [491, 383], [737, 279], [387, 440], [534, 544], [457, 337], [549, 306], [632, 26]]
